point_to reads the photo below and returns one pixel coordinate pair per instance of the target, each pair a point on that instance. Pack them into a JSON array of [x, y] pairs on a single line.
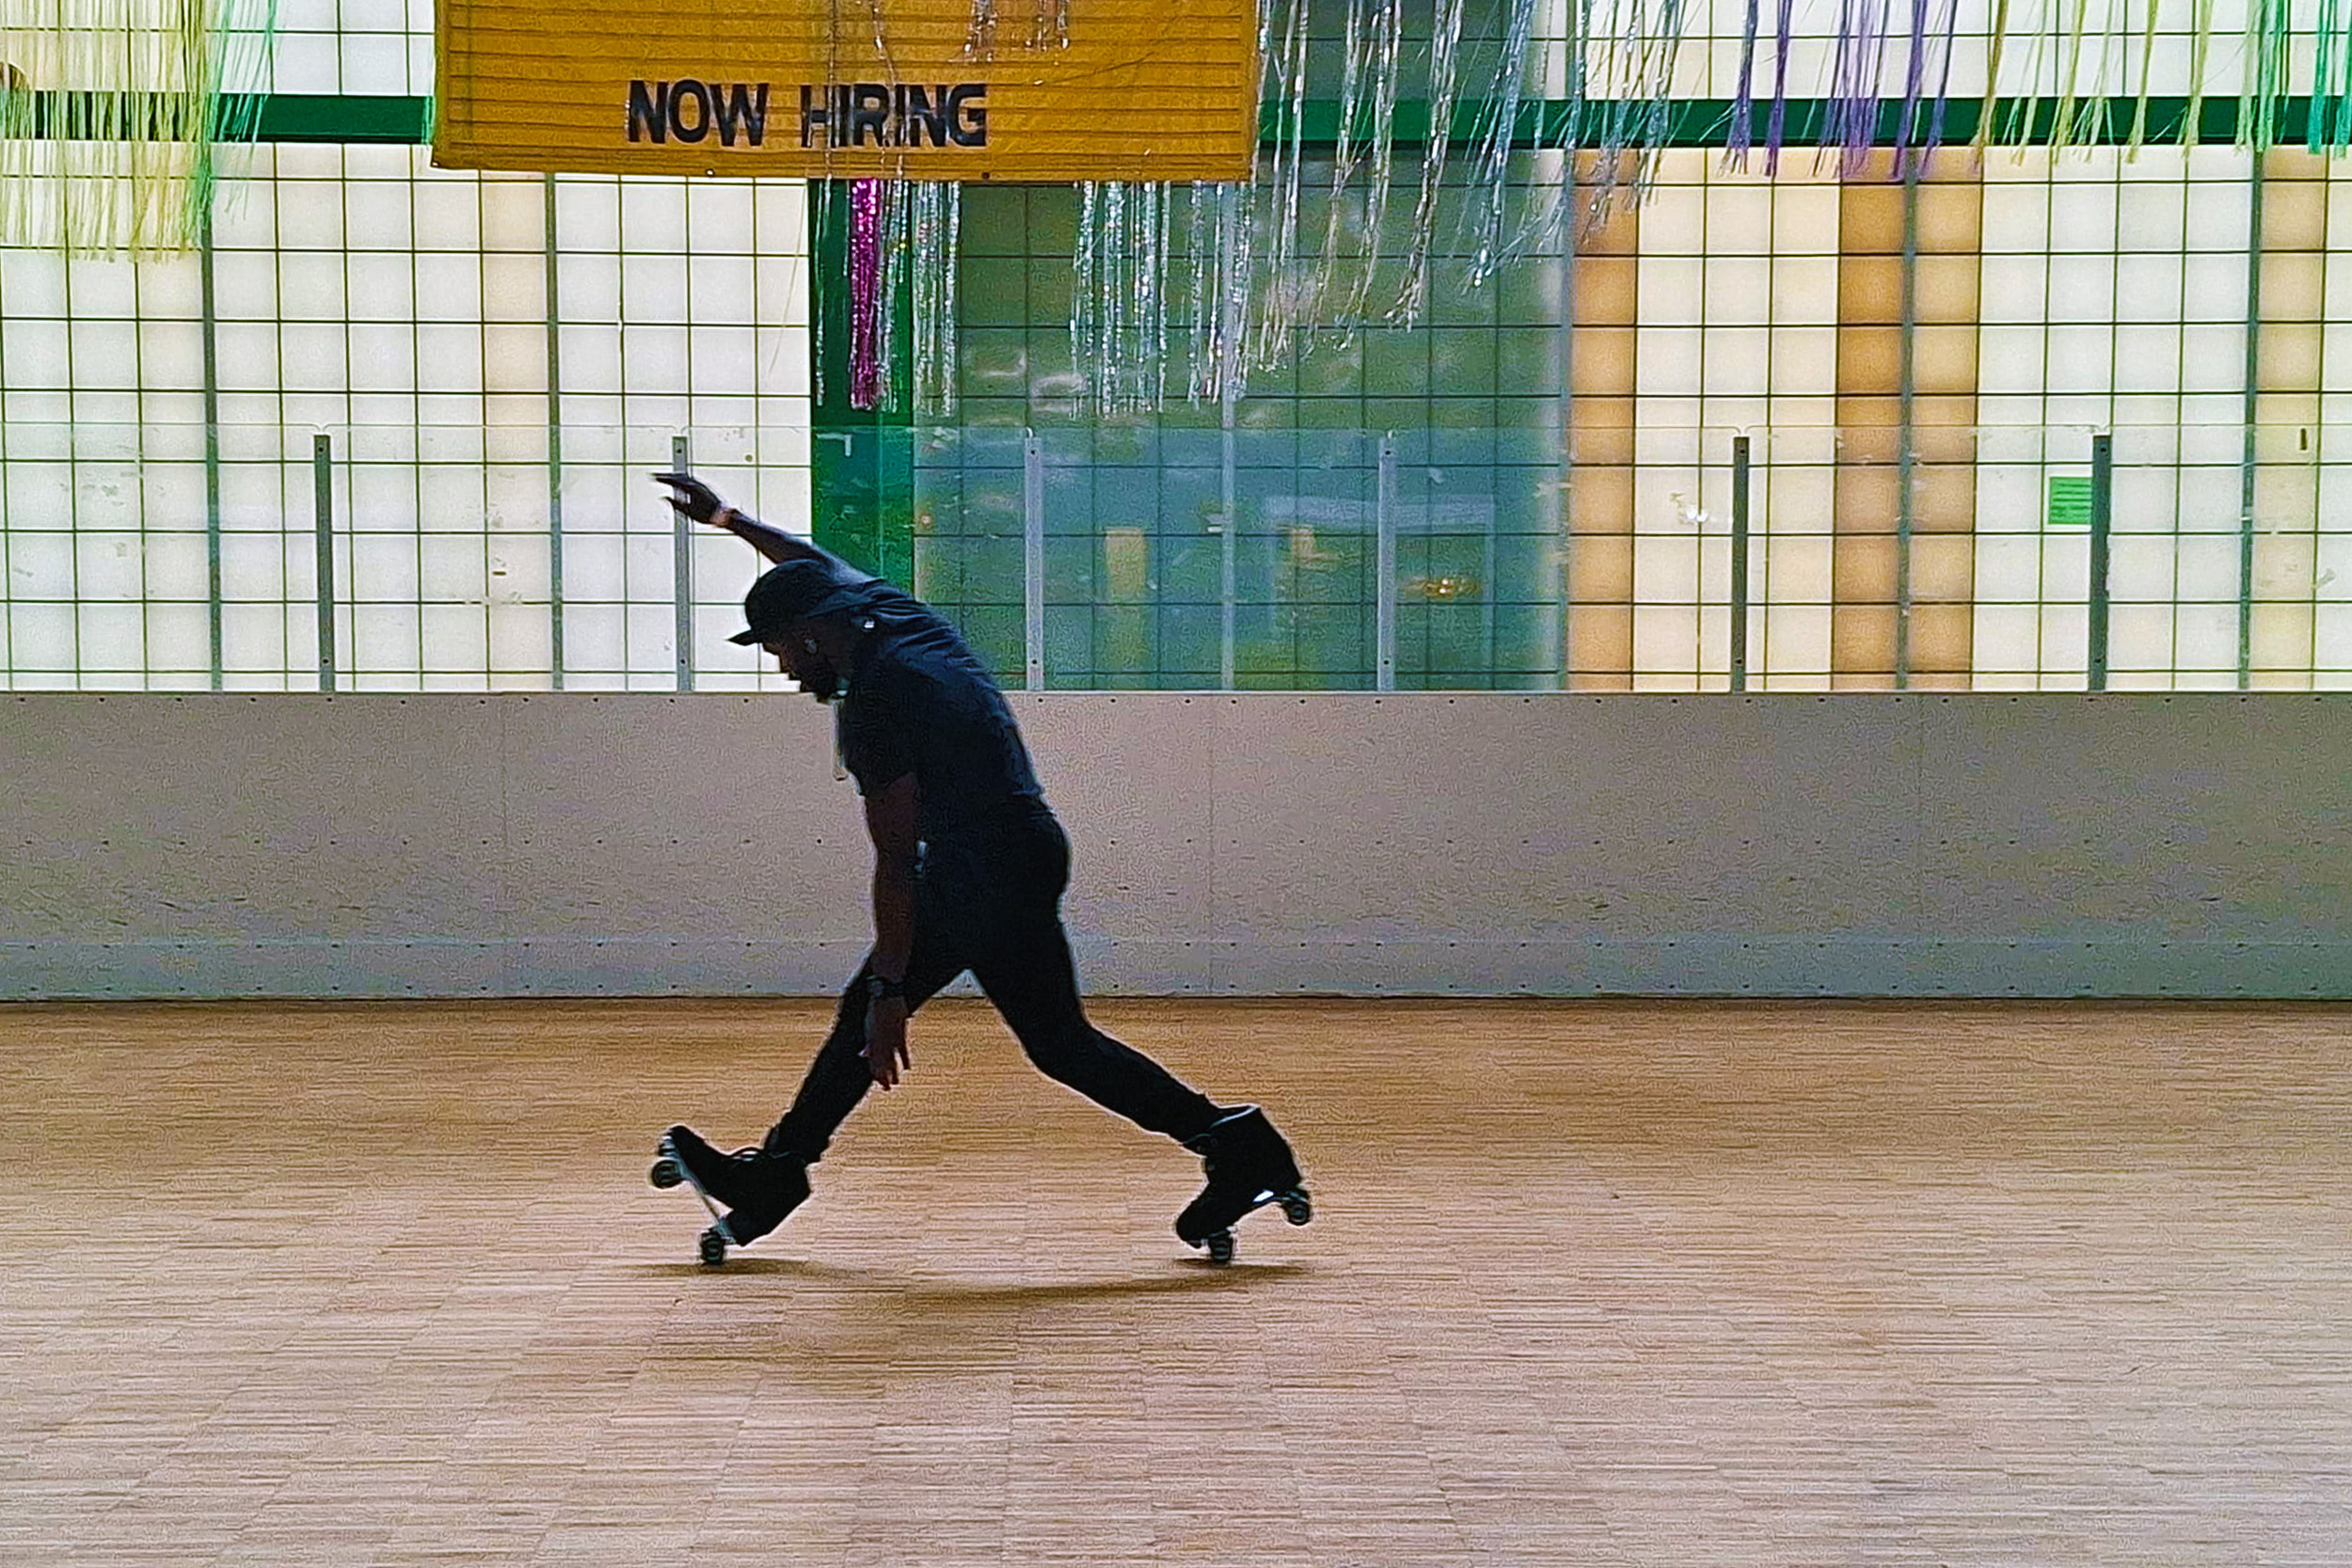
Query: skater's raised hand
[[886, 1039], [691, 496]]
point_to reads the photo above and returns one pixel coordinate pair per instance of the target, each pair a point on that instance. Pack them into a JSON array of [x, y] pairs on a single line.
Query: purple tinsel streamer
[[1780, 88], [866, 197], [1854, 99], [1742, 133], [1914, 82], [1944, 84]]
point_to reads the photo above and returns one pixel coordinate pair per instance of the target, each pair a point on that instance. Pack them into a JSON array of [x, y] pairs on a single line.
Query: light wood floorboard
[[1590, 1284]]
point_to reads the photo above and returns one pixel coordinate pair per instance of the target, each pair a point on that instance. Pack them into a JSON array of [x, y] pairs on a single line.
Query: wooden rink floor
[[1607, 1284]]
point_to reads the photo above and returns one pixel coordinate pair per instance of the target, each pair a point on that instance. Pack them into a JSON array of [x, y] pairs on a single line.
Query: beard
[[820, 680]]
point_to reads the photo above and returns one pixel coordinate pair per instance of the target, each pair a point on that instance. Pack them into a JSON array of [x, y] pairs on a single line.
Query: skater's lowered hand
[[886, 1039]]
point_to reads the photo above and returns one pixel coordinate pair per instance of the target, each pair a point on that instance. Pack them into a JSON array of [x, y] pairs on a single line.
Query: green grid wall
[[1469, 404]]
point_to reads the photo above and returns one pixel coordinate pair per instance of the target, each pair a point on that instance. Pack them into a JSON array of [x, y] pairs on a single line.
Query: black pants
[[997, 912]]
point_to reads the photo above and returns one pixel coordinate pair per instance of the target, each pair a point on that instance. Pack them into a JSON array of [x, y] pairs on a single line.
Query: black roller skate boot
[[757, 1189], [1248, 1167]]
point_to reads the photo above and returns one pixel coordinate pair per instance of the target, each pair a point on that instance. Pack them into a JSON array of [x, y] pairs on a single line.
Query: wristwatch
[[880, 987]]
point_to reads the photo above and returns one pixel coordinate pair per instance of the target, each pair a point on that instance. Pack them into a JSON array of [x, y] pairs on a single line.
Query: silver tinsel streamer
[[1493, 161], [1238, 217], [1118, 284], [1620, 71], [1255, 283], [951, 263], [1202, 383], [1343, 150], [1118, 301], [980, 39], [1049, 23], [1663, 43], [882, 44], [1542, 228], [1282, 305], [937, 222], [923, 275], [1387, 39], [1150, 235], [1221, 291], [1084, 318], [1162, 258], [1557, 229], [1444, 45]]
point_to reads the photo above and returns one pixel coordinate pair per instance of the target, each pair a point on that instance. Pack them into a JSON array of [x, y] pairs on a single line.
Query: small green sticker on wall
[[2069, 504]]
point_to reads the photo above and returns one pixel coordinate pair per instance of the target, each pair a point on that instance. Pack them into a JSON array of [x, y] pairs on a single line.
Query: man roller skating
[[969, 870]]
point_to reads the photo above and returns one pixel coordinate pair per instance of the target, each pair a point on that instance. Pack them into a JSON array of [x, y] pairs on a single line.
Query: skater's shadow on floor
[[798, 1268], [1186, 1275], [842, 1327]]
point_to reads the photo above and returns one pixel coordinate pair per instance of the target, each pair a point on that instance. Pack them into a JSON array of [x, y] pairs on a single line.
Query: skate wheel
[[1219, 1246], [714, 1247], [665, 1173], [1295, 1208]]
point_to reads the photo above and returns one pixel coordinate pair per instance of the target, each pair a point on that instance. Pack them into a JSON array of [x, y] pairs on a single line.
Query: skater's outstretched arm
[[702, 503], [891, 814]]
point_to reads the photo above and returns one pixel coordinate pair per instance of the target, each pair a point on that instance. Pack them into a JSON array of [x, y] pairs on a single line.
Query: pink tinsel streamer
[[866, 197]]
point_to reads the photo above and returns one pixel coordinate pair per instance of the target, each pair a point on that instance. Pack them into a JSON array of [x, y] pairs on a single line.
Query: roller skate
[[1248, 1167], [757, 1188]]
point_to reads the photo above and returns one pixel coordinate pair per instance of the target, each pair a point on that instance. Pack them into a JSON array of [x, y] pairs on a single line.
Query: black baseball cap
[[801, 591]]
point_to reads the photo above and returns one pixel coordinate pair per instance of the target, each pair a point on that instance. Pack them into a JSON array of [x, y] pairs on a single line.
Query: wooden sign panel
[[1050, 90]]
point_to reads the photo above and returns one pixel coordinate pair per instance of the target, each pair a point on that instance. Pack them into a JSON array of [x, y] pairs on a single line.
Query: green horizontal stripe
[[1687, 122], [286, 117], [292, 116]]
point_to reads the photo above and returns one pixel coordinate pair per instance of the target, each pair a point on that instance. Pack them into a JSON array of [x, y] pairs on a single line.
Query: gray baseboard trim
[[421, 968], [1694, 965], [1731, 965]]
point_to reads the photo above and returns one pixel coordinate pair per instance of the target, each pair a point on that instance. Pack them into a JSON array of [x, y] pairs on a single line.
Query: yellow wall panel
[[1144, 89]]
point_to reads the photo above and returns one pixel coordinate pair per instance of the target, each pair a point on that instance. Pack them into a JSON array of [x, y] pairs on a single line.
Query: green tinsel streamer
[[2200, 45], [2147, 64], [2260, 100], [2068, 125], [2329, 127], [109, 115], [1992, 78]]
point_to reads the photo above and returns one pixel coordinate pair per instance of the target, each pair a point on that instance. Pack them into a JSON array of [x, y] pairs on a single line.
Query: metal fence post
[[555, 444], [323, 511], [682, 569], [1227, 529], [1384, 569], [2251, 451], [1033, 557], [212, 435], [2102, 519], [1739, 460]]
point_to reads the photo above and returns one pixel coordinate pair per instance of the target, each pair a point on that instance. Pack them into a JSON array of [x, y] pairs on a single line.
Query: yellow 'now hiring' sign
[[927, 90]]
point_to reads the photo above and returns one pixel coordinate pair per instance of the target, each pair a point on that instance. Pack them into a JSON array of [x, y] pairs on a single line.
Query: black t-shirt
[[920, 703]]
